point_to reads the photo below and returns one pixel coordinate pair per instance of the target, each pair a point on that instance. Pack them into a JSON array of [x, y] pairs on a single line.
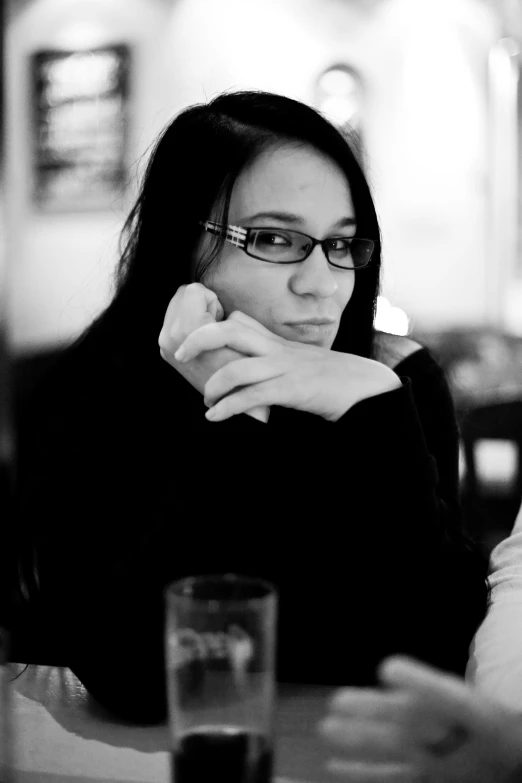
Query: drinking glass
[[220, 651]]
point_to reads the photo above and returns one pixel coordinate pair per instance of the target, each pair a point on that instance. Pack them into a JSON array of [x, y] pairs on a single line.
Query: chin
[[315, 341]]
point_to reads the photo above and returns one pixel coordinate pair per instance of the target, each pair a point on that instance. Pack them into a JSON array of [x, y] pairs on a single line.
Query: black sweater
[[123, 486]]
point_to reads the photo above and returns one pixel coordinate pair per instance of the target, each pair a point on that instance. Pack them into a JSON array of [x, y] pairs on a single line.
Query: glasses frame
[[239, 237]]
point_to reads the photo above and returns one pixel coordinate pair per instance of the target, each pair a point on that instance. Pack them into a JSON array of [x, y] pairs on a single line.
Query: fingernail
[[180, 355]]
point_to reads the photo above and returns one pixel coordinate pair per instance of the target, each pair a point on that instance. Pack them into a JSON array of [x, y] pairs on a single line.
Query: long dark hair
[[192, 168]]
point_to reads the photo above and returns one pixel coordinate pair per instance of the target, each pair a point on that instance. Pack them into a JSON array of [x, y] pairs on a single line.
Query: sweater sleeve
[[495, 664], [423, 578]]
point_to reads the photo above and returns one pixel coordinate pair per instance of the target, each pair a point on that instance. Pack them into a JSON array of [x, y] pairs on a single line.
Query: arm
[[495, 664], [400, 457], [399, 445]]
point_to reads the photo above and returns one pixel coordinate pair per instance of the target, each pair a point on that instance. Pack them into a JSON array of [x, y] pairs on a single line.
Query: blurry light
[[513, 308], [495, 462], [338, 82], [339, 109], [338, 94], [390, 319], [463, 468], [510, 46]]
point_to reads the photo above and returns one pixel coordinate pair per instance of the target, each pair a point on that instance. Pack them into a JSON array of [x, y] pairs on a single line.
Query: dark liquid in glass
[[226, 754]]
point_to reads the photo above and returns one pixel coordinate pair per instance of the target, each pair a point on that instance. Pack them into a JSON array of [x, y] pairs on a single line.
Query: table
[[62, 734]]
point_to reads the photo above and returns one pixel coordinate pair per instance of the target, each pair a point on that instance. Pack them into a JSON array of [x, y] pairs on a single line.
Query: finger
[[200, 299], [191, 306], [368, 740], [261, 413], [247, 320], [222, 335], [446, 693], [239, 373], [421, 724], [365, 772], [269, 392], [369, 703], [215, 308]]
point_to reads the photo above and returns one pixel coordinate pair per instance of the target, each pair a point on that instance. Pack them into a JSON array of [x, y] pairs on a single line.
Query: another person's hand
[[191, 307], [282, 372], [423, 727]]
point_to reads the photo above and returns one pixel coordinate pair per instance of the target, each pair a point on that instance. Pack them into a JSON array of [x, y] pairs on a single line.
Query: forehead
[[294, 179]]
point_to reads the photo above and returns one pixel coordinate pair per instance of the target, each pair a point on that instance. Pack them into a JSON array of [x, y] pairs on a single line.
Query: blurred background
[[431, 86]]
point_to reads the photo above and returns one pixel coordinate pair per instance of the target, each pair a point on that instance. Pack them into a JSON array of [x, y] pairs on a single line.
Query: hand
[[282, 372], [426, 726], [191, 307]]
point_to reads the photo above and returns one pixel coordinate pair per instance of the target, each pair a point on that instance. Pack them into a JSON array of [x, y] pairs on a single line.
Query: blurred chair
[[491, 482]]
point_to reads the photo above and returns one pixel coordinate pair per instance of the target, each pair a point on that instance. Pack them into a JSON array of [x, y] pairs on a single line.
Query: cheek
[[233, 285], [345, 290], [255, 292]]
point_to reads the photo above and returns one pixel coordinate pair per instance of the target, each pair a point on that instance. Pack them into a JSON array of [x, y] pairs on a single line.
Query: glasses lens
[[281, 246], [277, 245], [350, 253]]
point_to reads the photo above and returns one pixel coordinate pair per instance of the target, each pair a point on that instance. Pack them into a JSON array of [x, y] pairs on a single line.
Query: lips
[[313, 322]]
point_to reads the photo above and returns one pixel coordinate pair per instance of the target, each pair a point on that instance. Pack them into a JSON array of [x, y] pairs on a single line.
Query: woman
[[253, 249]]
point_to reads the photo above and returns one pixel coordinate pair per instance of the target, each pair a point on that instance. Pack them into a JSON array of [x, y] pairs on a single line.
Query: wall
[[61, 263], [426, 131]]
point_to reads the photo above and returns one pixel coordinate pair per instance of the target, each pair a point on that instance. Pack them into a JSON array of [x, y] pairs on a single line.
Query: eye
[[273, 239], [339, 246]]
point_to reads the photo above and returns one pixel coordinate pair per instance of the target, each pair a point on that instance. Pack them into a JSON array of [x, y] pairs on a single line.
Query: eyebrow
[[290, 217]]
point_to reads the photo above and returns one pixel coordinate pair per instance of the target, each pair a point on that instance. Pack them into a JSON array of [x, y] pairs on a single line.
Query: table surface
[[61, 734]]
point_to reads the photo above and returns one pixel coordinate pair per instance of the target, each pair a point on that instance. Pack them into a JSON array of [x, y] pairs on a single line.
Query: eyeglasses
[[284, 246]]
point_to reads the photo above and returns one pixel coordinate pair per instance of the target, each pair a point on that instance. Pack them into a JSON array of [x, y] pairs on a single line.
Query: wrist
[[375, 379]]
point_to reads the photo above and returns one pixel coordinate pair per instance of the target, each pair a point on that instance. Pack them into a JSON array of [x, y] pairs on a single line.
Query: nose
[[314, 276]]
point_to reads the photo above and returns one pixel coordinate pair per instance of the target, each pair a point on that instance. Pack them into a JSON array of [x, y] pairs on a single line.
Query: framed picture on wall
[[80, 108]]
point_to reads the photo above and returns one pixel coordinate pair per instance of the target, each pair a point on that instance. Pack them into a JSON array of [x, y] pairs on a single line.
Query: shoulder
[[429, 386], [392, 349], [506, 557]]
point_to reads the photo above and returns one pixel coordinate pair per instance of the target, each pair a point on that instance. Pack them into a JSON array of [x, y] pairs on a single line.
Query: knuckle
[[228, 326], [166, 339]]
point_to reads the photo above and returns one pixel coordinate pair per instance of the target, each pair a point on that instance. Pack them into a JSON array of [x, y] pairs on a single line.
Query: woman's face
[[297, 188]]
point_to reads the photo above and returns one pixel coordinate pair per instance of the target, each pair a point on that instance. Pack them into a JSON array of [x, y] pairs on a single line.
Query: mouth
[[315, 329], [313, 322]]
